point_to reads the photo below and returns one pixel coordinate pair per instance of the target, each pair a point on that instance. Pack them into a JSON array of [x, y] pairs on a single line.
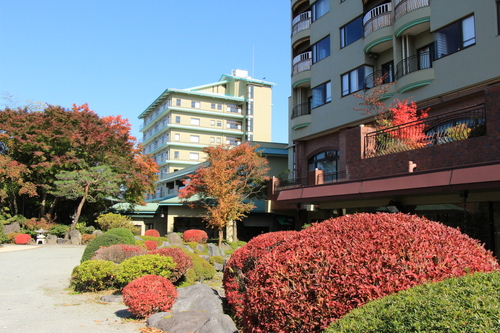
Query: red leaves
[[22, 239], [195, 235], [182, 260], [150, 245], [326, 270], [152, 233]]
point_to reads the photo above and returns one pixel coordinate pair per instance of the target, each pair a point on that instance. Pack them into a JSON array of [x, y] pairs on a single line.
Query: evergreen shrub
[[152, 233], [118, 252], [330, 268], [148, 264], [127, 235], [95, 244], [59, 230], [149, 294], [182, 260], [93, 275], [111, 220], [86, 238], [195, 235], [466, 304], [202, 269]]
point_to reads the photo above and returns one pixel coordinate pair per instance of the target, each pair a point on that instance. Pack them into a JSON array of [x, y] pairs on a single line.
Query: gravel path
[[34, 294]]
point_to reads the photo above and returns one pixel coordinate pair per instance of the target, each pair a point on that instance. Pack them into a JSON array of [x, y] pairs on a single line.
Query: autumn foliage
[[152, 233], [182, 260], [195, 235], [225, 184], [149, 294], [324, 271], [118, 252], [150, 245], [22, 239]]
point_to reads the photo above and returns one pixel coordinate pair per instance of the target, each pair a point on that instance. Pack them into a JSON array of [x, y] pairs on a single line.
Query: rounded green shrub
[[149, 294], [95, 244], [118, 252], [466, 304], [93, 275], [59, 230], [127, 235], [202, 268], [340, 264], [111, 220], [182, 260], [216, 260], [148, 264]]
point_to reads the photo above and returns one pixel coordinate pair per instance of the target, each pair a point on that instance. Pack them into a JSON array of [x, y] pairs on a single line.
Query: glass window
[[194, 138], [351, 32], [195, 104], [219, 123], [328, 161], [218, 140], [194, 156], [212, 139], [177, 137], [195, 121], [177, 119], [355, 80], [321, 49], [219, 106], [178, 102], [320, 8], [454, 37], [212, 122], [321, 94], [176, 154], [213, 106]]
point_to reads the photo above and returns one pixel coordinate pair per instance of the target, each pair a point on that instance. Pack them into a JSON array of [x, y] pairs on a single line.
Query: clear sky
[[120, 55]]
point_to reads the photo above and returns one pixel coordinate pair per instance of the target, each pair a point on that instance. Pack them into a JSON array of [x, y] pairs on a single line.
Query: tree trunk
[[79, 208], [52, 207], [221, 235], [42, 204]]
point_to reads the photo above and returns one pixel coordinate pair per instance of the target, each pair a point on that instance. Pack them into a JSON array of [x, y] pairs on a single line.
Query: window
[[195, 104], [219, 106], [321, 49], [233, 124], [388, 72], [219, 123], [176, 155], [177, 137], [424, 57], [250, 92], [355, 80], [194, 156], [232, 141], [218, 140], [213, 106], [194, 138], [321, 94], [454, 37], [328, 161], [351, 32], [320, 8], [195, 121], [178, 102], [233, 108], [212, 122], [212, 139], [177, 119]]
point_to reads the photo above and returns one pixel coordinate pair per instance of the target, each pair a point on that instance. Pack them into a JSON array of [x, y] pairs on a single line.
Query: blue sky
[[120, 55]]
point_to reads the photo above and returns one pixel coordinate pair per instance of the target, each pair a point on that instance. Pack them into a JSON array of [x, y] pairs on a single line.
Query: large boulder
[[198, 297], [75, 237], [174, 239], [213, 250], [10, 228], [51, 240], [192, 321]]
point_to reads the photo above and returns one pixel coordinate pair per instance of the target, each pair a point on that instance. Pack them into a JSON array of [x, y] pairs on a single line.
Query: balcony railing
[[378, 78], [414, 63], [377, 18], [302, 62], [321, 178], [301, 22], [405, 6], [301, 110], [430, 131]]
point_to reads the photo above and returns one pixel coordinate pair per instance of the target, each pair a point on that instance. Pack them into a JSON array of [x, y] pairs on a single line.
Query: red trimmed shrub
[[305, 283], [244, 260], [152, 233], [182, 260], [150, 245], [195, 235], [149, 294], [118, 252], [22, 239]]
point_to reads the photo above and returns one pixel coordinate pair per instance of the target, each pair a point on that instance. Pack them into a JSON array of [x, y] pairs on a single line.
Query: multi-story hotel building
[[181, 122], [443, 54]]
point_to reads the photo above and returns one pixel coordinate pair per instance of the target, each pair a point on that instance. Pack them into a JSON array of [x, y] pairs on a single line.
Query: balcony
[[430, 131], [301, 110], [302, 62], [301, 22], [377, 18], [403, 7], [414, 63]]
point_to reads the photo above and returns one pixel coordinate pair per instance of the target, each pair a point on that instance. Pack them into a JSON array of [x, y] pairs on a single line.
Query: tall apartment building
[[181, 122], [443, 54]]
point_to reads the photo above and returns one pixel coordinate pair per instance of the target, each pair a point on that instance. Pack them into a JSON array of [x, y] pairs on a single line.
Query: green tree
[[225, 185]]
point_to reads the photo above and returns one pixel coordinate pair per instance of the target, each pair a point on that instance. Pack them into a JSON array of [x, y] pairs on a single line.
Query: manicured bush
[[202, 269], [11, 237], [152, 233], [23, 239], [110, 221], [195, 235], [118, 252], [86, 238], [95, 244], [149, 294], [244, 260], [216, 260], [127, 235], [59, 230], [93, 275], [150, 245], [330, 268], [182, 260], [148, 264], [466, 304], [159, 240]]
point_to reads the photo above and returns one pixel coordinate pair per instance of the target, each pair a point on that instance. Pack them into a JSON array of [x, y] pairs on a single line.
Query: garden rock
[[97, 233], [198, 297], [51, 239], [200, 248], [213, 250], [10, 228], [192, 321], [63, 241], [174, 239], [112, 298], [76, 237], [165, 244], [187, 247], [218, 267]]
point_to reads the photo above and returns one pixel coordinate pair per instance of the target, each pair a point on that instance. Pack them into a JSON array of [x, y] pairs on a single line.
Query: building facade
[[442, 54], [181, 122]]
